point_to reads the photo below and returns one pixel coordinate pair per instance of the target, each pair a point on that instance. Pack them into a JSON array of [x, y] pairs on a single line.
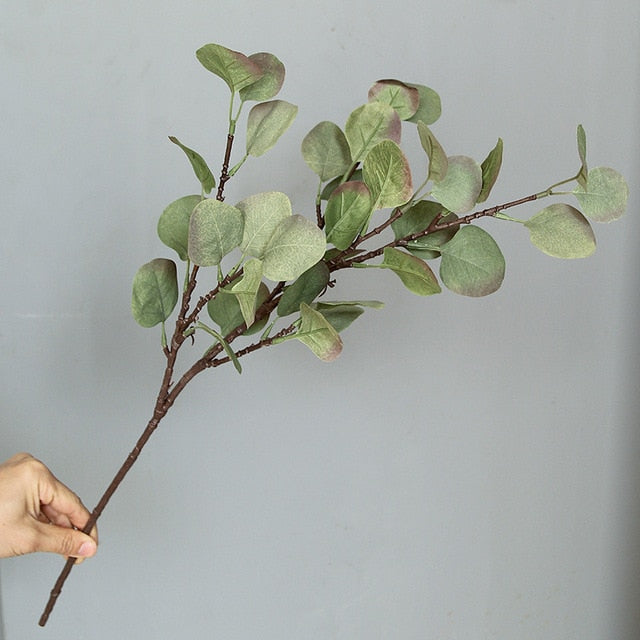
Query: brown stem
[[224, 174]]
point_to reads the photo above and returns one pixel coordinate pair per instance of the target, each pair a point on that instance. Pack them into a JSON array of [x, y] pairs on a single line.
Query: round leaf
[[402, 97], [236, 69], [295, 246], [369, 124], [562, 231], [215, 229], [262, 212], [173, 225], [266, 123], [387, 174], [458, 191], [430, 107], [605, 197], [155, 292], [326, 150], [270, 83], [472, 263]]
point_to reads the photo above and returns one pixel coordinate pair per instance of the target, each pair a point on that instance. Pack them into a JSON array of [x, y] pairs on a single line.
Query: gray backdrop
[[467, 468]]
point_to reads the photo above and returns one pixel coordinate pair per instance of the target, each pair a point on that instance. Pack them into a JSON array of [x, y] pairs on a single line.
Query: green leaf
[[262, 212], [246, 290], [330, 187], [369, 124], [347, 211], [562, 231], [225, 311], [430, 107], [305, 289], [266, 123], [225, 345], [326, 150], [173, 225], [417, 219], [582, 152], [317, 333], [472, 263], [200, 168], [236, 69], [438, 161], [270, 83], [605, 197], [340, 316], [387, 174], [215, 229], [458, 191], [402, 97], [155, 292], [414, 273], [490, 170], [295, 246]]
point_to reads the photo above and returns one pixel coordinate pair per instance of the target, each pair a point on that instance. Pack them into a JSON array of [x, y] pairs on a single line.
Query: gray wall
[[467, 468]]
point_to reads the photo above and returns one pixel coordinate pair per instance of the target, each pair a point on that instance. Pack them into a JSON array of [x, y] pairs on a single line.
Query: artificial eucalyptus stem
[[362, 170]]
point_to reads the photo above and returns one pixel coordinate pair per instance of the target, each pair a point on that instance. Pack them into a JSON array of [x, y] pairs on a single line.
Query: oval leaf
[[562, 231], [215, 229], [225, 311], [458, 191], [317, 333], [605, 197], [414, 273], [173, 225], [246, 290], [348, 210], [266, 123], [438, 161], [387, 174], [326, 150], [270, 83], [236, 69], [200, 168], [472, 263], [305, 289], [295, 246], [369, 124], [262, 213], [155, 292], [402, 97], [430, 107], [490, 170]]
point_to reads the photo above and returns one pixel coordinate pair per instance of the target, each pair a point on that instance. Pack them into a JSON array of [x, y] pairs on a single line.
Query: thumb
[[65, 541]]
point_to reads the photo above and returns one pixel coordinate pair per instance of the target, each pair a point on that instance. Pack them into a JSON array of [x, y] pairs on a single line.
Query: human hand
[[39, 513]]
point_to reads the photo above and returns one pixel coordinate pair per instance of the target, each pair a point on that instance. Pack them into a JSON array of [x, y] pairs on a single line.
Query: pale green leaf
[[416, 220], [582, 152], [369, 124], [155, 292], [330, 187], [414, 273], [347, 211], [224, 310], [225, 345], [458, 191], [267, 121], [200, 168], [430, 107], [562, 231], [317, 333], [387, 174], [438, 161], [340, 316], [472, 263], [215, 229], [246, 290], [270, 83], [295, 246], [236, 69], [173, 225], [490, 170], [402, 97], [326, 150], [605, 197], [262, 212], [305, 289]]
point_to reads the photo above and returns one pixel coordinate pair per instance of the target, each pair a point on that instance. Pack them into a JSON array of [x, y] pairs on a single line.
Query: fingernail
[[86, 549]]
